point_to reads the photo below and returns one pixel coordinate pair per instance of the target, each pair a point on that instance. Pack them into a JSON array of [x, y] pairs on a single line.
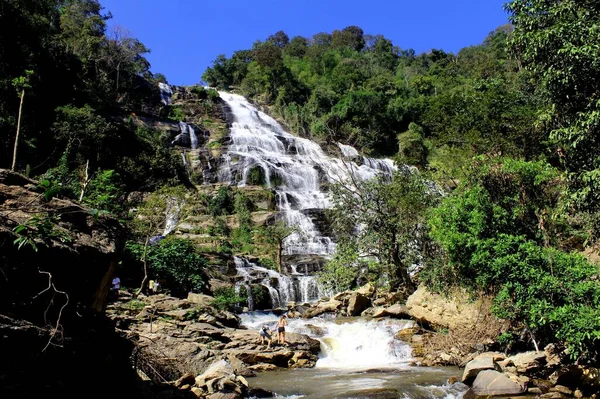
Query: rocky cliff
[[57, 262]]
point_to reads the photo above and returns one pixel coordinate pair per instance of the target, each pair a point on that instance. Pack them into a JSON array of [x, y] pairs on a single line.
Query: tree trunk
[[401, 272], [85, 182], [14, 161], [139, 291], [279, 252]]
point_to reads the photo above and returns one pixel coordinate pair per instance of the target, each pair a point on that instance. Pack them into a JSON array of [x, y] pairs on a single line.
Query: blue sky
[[185, 36]]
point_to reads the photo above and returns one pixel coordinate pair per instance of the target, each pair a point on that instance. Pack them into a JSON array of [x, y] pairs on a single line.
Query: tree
[[349, 37], [380, 222], [274, 235], [559, 42], [148, 218], [499, 232], [20, 84], [279, 39]]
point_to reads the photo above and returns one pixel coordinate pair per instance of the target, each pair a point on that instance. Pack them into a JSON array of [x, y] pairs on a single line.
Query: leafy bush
[[495, 234], [175, 261], [104, 190], [228, 299], [176, 113], [221, 203]]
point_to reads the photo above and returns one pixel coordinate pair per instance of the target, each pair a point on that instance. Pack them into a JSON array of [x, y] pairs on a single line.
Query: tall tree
[[21, 83], [559, 41]]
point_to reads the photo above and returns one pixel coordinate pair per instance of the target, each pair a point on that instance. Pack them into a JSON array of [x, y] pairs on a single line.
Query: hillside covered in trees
[[508, 130]]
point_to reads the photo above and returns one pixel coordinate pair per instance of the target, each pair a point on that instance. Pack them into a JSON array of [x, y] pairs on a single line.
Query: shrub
[[228, 299]]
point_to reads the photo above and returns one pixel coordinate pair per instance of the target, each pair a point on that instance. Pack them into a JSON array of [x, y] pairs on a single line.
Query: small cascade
[[245, 274], [173, 211], [187, 136], [354, 345], [165, 93], [193, 137], [282, 289]]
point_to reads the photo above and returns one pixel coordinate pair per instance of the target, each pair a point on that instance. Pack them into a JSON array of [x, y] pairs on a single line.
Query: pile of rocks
[[219, 381], [540, 373], [183, 336]]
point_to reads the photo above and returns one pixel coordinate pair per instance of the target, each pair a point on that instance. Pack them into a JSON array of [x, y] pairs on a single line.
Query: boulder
[[583, 378], [323, 307], [367, 290], [491, 383], [483, 361], [379, 312], [186, 379], [279, 358], [218, 369], [228, 319], [406, 334], [177, 314], [453, 311], [357, 303], [526, 362], [397, 310], [263, 367], [200, 299]]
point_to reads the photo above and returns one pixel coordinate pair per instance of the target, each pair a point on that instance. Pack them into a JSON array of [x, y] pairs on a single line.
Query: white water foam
[[357, 344], [295, 167]]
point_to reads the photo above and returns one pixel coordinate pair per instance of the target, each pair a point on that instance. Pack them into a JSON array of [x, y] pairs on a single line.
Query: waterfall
[[282, 289], [355, 344], [172, 217], [193, 137], [165, 93], [187, 136], [296, 168]]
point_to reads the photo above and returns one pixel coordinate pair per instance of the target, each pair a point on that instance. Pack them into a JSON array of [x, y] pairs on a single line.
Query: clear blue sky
[[185, 36]]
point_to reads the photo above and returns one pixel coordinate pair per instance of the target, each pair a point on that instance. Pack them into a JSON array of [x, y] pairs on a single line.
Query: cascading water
[[296, 168], [359, 359], [282, 289], [165, 93], [355, 344]]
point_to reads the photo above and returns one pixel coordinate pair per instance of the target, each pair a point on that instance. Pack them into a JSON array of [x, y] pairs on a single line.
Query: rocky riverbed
[[198, 349]]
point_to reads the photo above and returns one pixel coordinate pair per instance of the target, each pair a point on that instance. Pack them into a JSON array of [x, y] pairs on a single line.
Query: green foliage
[[22, 82], [412, 149], [228, 299], [103, 192], [559, 42], [222, 203], [496, 231], [175, 261], [256, 176], [40, 228], [176, 113], [378, 225]]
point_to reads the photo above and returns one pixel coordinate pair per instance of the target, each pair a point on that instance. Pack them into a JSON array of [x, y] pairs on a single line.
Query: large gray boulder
[[218, 369], [357, 303], [451, 311], [480, 363], [200, 299], [492, 383]]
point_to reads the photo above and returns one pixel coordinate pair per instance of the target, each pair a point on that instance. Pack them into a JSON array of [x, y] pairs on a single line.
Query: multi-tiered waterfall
[[298, 170]]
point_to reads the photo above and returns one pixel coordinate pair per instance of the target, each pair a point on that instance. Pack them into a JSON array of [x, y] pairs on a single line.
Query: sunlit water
[[359, 359]]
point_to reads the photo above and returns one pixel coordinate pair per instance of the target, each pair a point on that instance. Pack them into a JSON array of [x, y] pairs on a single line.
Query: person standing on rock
[[150, 287], [116, 286], [265, 336], [281, 324]]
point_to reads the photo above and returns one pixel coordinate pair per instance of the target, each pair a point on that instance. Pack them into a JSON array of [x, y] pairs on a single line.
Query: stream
[[359, 358]]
